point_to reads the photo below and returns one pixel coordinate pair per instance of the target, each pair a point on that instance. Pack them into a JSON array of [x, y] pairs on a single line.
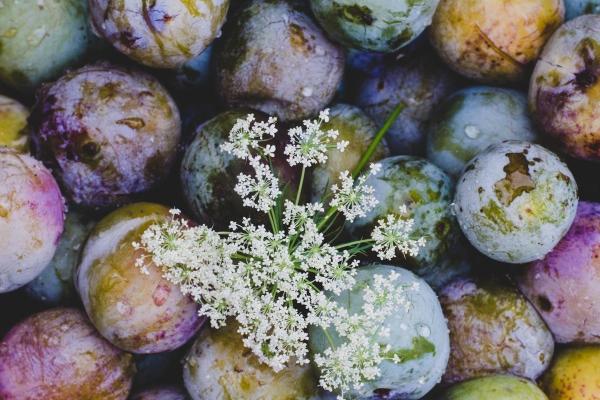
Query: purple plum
[[565, 285], [108, 132], [57, 355]]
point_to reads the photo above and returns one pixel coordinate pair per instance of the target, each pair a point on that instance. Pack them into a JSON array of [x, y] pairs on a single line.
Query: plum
[[471, 120], [495, 387], [275, 59], [108, 132], [574, 374], [493, 330], [493, 41], [418, 80], [55, 284], [209, 174], [218, 366], [575, 8], [57, 355], [31, 218], [354, 126], [426, 191], [563, 94], [375, 25], [515, 201], [418, 335], [161, 393], [159, 33], [136, 311], [39, 40], [564, 285], [13, 124]]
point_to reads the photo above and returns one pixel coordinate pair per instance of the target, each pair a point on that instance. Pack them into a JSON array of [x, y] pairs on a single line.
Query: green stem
[[377, 139], [350, 244], [368, 154], [273, 220], [329, 338], [300, 185]]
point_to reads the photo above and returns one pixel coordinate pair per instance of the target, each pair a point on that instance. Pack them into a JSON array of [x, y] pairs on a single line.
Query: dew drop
[[472, 132], [307, 92], [423, 330]]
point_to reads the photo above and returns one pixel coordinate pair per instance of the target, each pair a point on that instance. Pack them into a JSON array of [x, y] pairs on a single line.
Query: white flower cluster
[[309, 145], [261, 190], [278, 281], [393, 233], [256, 276], [357, 359], [248, 135], [354, 199]]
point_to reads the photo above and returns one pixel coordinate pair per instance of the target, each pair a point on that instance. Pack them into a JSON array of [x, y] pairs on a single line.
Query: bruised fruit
[[471, 120], [134, 307], [565, 284], [565, 90], [515, 201], [218, 366], [108, 132], [493, 330], [31, 218], [57, 355], [375, 25], [275, 59], [494, 40], [159, 33]]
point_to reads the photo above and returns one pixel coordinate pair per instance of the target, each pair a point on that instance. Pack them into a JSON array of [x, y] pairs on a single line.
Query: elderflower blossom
[[248, 134], [309, 146], [354, 200], [393, 233], [262, 277], [261, 190]]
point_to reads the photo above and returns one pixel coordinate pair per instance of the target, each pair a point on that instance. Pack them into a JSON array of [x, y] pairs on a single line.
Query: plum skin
[[493, 330], [31, 218], [58, 355], [109, 133], [258, 61], [138, 312], [562, 286]]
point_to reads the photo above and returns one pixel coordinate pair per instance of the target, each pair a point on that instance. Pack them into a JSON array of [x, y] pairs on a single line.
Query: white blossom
[[354, 199], [276, 282], [247, 135], [309, 145], [261, 190], [394, 234]]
